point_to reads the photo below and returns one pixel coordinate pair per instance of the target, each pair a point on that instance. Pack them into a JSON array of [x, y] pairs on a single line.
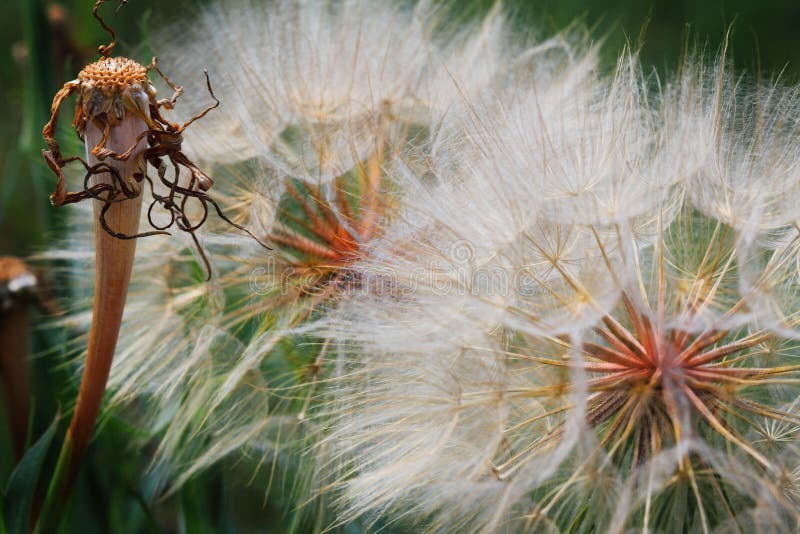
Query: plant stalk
[[114, 262], [15, 372]]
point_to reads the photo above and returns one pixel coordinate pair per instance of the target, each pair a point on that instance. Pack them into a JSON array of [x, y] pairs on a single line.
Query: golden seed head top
[[114, 74]]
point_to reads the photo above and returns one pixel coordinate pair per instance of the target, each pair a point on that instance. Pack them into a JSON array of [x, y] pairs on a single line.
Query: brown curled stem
[[53, 153], [168, 103], [105, 50], [208, 109]]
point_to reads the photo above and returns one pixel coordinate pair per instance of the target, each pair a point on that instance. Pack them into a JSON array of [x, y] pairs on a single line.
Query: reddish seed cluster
[[319, 243], [643, 374]]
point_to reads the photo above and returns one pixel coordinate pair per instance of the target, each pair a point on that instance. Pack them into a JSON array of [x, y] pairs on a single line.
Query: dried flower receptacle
[[114, 257], [118, 104]]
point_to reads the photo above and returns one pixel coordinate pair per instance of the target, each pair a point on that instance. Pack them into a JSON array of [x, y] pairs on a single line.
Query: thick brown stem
[[114, 262], [14, 370]]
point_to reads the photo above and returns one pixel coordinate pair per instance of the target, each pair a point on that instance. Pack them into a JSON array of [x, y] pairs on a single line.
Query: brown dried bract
[[107, 90]]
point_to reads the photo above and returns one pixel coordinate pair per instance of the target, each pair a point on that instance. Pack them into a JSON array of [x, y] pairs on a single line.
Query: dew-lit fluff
[[305, 82], [496, 206], [320, 101], [738, 140], [588, 361]]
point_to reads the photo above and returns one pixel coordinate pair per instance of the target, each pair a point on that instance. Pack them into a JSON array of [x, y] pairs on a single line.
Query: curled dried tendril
[[105, 50], [107, 90]]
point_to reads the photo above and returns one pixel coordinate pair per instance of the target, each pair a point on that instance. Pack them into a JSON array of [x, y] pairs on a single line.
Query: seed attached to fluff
[[17, 286]]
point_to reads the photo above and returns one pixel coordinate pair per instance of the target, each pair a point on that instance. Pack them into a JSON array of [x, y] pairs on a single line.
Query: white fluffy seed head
[[466, 402]]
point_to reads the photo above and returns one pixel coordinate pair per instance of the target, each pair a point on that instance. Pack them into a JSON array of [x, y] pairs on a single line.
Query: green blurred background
[[43, 44]]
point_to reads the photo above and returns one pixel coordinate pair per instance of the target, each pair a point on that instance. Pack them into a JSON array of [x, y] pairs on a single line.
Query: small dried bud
[[17, 282]]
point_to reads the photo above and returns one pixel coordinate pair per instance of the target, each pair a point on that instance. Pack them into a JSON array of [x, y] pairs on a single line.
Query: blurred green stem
[[38, 78], [58, 492], [24, 170]]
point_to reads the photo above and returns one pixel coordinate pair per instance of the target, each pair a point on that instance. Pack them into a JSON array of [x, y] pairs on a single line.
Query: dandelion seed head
[[630, 370]]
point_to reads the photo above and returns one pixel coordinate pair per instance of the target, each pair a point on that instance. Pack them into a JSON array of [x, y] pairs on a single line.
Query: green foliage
[[21, 489]]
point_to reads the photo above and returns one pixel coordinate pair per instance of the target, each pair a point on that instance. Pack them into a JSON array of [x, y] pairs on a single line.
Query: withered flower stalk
[[112, 114], [17, 284], [119, 119]]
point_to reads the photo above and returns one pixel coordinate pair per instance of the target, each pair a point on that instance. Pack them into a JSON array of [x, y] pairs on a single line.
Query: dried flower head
[[119, 119], [117, 111]]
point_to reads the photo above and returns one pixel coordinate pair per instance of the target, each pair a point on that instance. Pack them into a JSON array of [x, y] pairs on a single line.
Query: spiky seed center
[[114, 74], [649, 378]]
